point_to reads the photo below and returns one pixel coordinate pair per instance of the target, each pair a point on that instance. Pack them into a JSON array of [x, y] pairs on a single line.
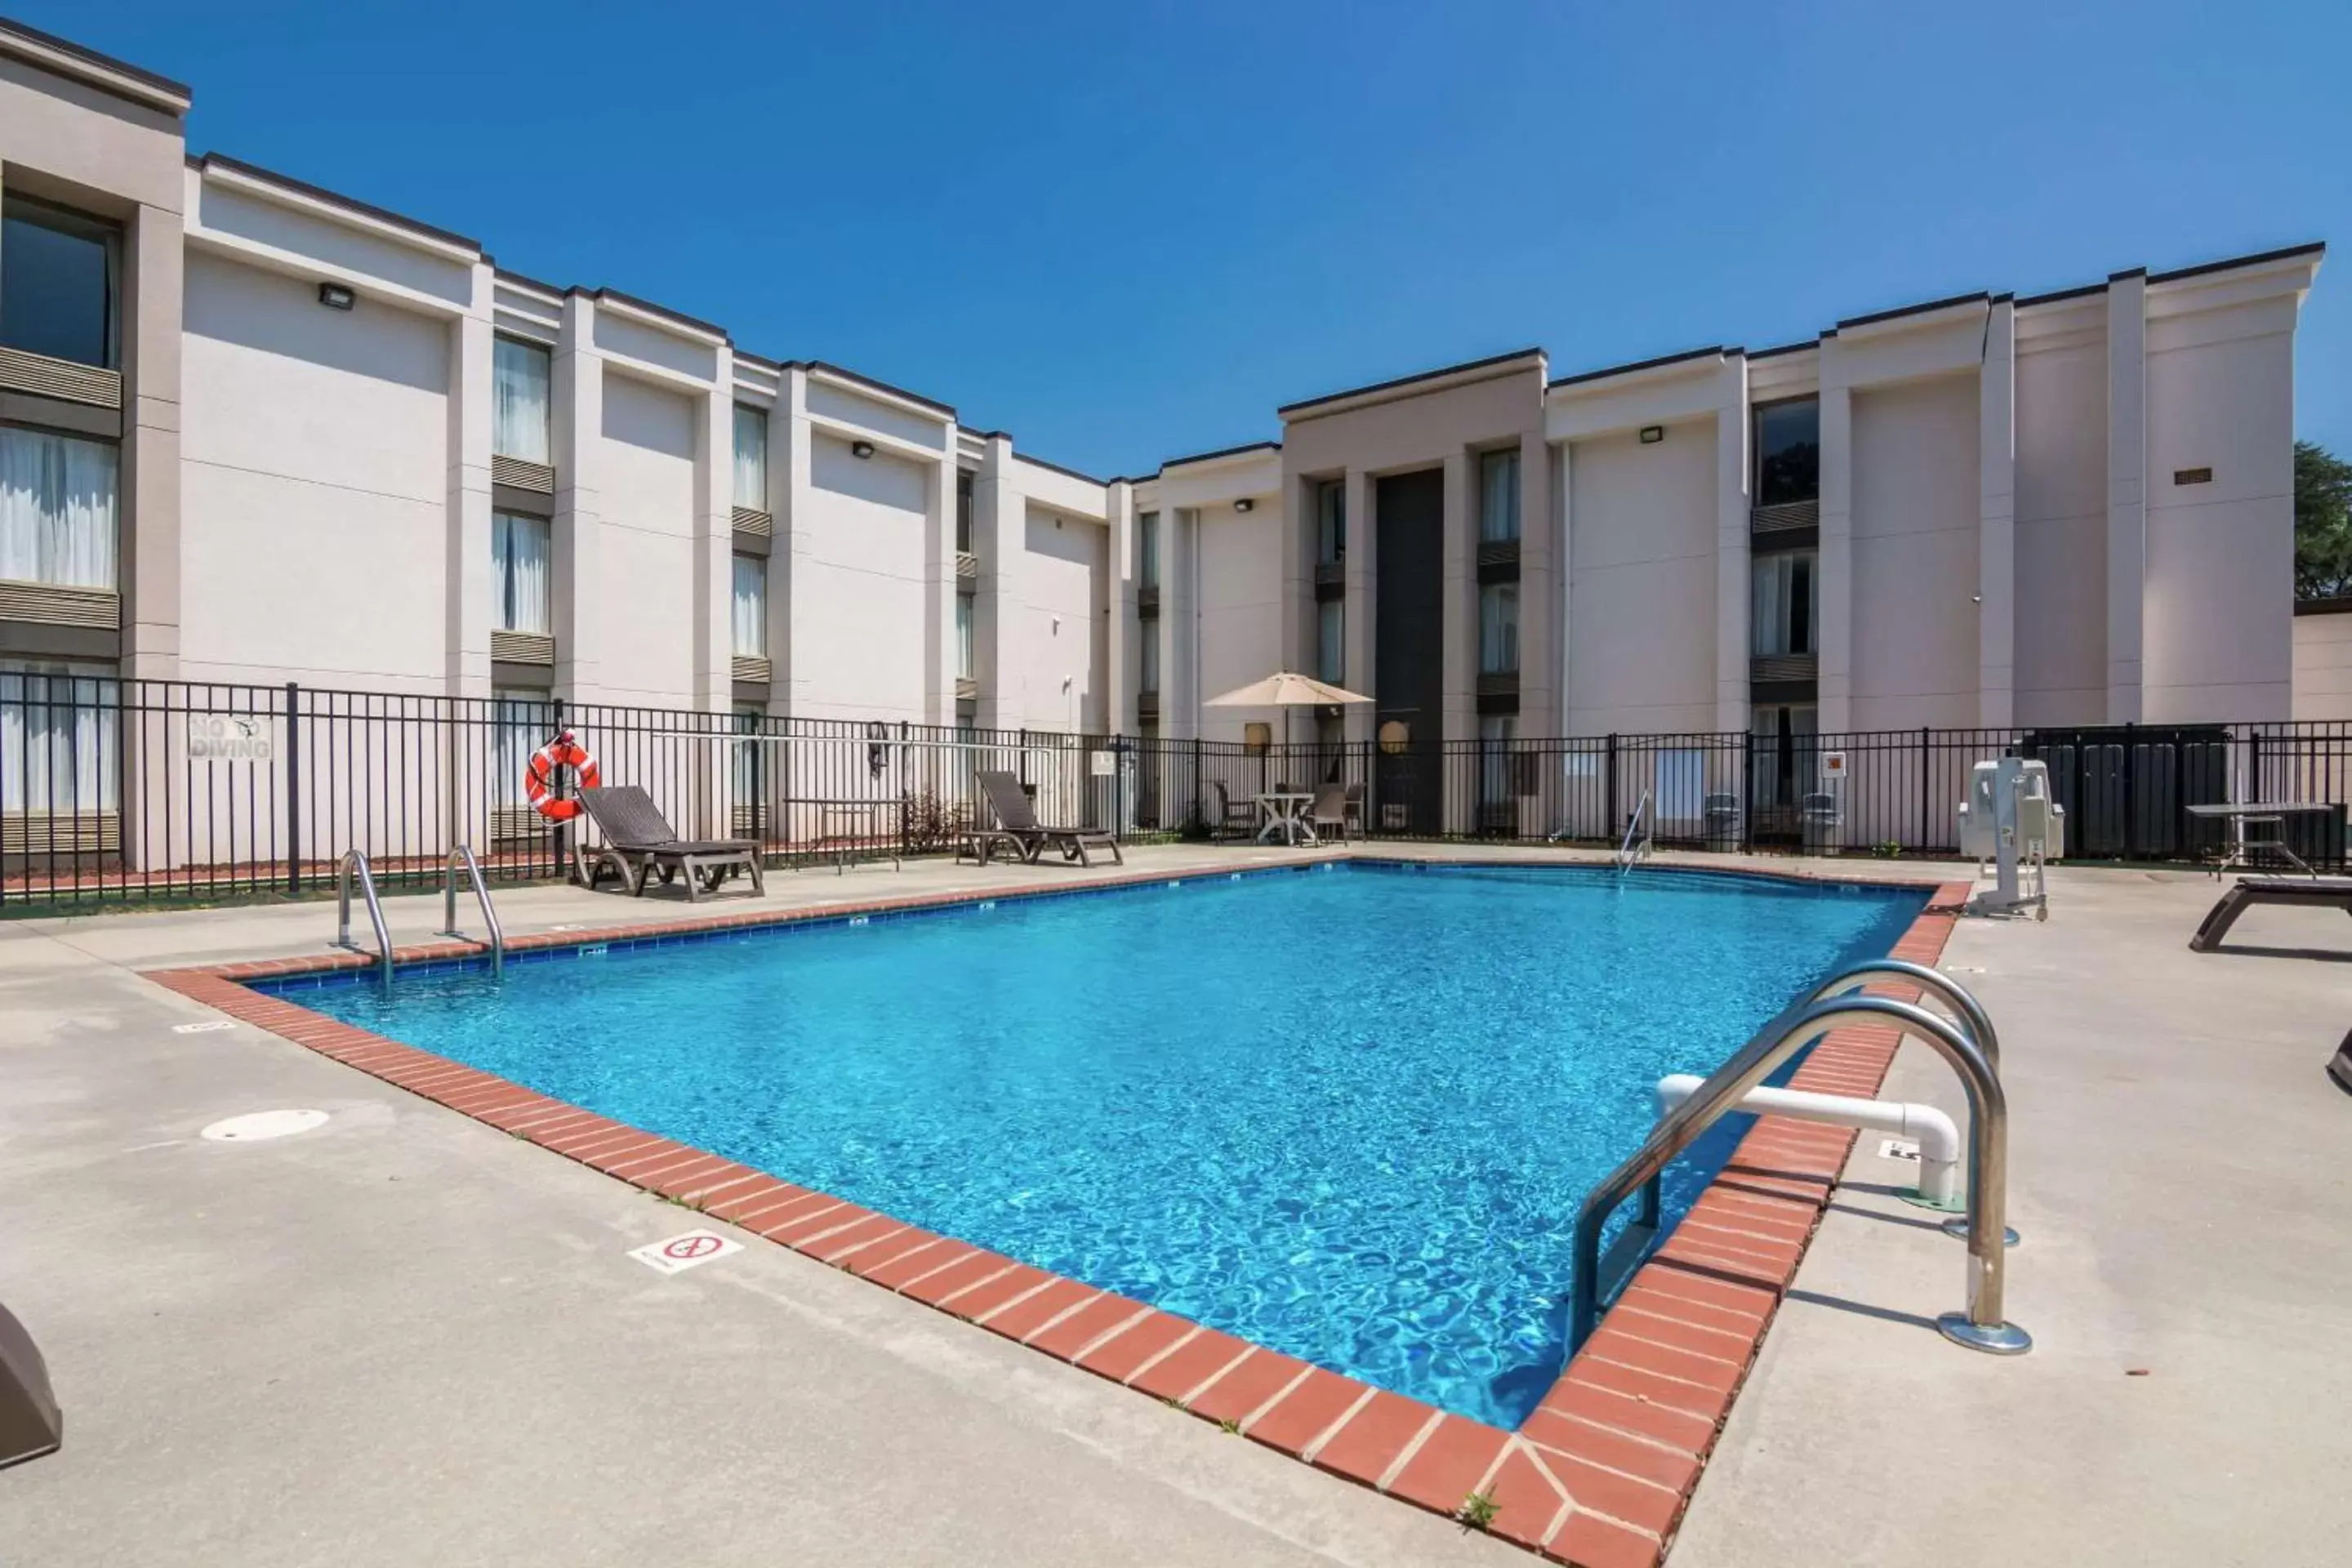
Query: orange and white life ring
[[539, 778]]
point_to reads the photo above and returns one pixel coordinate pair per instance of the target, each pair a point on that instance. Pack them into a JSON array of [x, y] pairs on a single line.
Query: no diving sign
[[680, 1253]]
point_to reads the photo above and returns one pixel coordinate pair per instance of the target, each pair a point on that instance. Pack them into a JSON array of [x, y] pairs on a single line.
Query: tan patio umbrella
[[1285, 690]]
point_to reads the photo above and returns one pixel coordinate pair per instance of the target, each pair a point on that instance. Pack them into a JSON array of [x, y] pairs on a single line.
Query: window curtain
[[56, 509], [1331, 641], [520, 547], [518, 401], [1147, 550], [751, 607], [1495, 731], [1331, 522], [1783, 594], [752, 457], [520, 723], [1148, 665], [1498, 628], [1498, 497], [964, 641], [58, 750]]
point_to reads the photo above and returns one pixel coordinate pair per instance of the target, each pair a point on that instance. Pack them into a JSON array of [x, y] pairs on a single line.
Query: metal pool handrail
[[462, 855], [356, 860], [1629, 853], [1980, 1326], [1972, 1012]]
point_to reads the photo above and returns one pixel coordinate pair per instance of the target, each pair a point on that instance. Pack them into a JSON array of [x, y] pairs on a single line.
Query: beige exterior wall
[[1914, 607], [2323, 666], [1641, 611]]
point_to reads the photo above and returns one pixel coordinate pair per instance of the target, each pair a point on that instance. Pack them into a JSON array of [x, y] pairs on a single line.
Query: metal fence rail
[[118, 791]]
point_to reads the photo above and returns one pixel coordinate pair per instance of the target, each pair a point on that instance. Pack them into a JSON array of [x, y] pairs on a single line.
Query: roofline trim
[[1220, 452], [2261, 257], [660, 315], [842, 373], [1719, 350], [1979, 297], [118, 79], [254, 173], [1489, 362]]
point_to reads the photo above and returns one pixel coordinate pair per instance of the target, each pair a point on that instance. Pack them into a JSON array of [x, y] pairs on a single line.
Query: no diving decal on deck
[[680, 1253]]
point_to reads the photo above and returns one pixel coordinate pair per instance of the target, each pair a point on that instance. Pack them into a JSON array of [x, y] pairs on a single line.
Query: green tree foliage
[[2323, 523]]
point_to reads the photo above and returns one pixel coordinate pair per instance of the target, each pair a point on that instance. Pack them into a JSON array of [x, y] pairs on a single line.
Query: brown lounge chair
[[639, 842], [1017, 826], [2316, 892]]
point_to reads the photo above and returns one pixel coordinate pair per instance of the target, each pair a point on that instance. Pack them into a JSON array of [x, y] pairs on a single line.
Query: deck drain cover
[[261, 1124]]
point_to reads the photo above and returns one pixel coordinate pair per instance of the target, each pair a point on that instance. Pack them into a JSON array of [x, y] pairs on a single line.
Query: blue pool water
[[1347, 1113]]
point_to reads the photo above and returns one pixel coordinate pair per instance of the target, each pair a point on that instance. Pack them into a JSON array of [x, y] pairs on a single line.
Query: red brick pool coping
[[1598, 1475]]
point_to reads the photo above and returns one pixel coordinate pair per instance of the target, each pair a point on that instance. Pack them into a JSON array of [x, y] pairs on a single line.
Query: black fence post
[[556, 831], [1609, 792], [1925, 782], [1118, 786], [1196, 776], [1748, 790], [293, 789]]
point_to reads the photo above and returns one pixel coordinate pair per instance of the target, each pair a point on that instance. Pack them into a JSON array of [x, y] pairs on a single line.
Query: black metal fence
[[120, 791]]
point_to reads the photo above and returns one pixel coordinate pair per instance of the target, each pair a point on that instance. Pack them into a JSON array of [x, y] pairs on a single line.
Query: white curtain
[[1498, 628], [1774, 627], [518, 401], [1495, 734], [57, 728], [1331, 641], [521, 722], [1147, 550], [1498, 495], [963, 645], [56, 509], [752, 457], [750, 606], [520, 545]]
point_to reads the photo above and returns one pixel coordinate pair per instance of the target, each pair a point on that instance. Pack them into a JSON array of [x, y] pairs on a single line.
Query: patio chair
[[1329, 811], [1017, 825], [1229, 818], [2316, 892], [639, 842]]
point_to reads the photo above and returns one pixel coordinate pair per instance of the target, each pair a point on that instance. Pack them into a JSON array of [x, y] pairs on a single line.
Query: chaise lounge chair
[[1017, 826], [640, 842], [2317, 892]]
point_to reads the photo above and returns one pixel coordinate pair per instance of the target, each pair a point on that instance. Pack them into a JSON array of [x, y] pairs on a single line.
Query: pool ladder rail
[[354, 868], [1965, 1041], [1635, 849]]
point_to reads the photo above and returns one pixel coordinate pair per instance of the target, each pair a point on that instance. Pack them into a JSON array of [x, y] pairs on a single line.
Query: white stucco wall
[[314, 484], [1051, 624], [2061, 518], [858, 587], [1240, 621], [2221, 556], [2322, 667], [1913, 608], [1642, 582], [643, 596]]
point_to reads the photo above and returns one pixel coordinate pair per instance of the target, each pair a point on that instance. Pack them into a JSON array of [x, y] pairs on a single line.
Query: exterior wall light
[[1245, 504], [336, 296], [1653, 433], [861, 449]]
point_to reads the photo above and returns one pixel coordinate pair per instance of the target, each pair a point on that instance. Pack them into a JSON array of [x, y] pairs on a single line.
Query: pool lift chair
[[2011, 820]]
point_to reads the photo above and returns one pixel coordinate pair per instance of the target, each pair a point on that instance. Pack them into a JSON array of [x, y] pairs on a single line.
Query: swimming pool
[[1347, 1113]]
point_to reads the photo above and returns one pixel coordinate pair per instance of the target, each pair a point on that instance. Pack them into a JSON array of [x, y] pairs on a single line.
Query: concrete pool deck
[[406, 1337]]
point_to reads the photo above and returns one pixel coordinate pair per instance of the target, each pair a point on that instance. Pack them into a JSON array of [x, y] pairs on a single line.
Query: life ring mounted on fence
[[539, 778]]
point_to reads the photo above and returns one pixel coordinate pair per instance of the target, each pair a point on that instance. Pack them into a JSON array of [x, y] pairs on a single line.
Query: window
[[1330, 523], [751, 607], [1147, 550], [1146, 663], [963, 513], [519, 550], [518, 401], [1789, 452], [963, 637], [747, 774], [58, 728], [1495, 784], [752, 457], [1331, 641], [56, 509], [59, 283], [521, 721], [1498, 628], [1498, 495], [1786, 616], [1785, 760]]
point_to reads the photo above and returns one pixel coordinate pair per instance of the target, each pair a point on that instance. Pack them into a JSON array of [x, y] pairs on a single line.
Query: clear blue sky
[[1128, 232]]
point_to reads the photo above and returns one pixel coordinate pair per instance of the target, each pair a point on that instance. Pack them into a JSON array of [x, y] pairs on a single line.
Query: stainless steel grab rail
[[1981, 1325], [462, 855], [1960, 999], [1629, 852], [356, 860]]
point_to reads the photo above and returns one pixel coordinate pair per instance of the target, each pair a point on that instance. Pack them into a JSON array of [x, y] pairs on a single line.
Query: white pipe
[[1939, 1139]]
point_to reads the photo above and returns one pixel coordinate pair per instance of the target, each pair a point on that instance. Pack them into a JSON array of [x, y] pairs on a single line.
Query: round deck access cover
[[261, 1124]]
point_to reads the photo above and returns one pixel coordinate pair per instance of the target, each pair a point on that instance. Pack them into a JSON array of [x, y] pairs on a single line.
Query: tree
[[2323, 523]]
